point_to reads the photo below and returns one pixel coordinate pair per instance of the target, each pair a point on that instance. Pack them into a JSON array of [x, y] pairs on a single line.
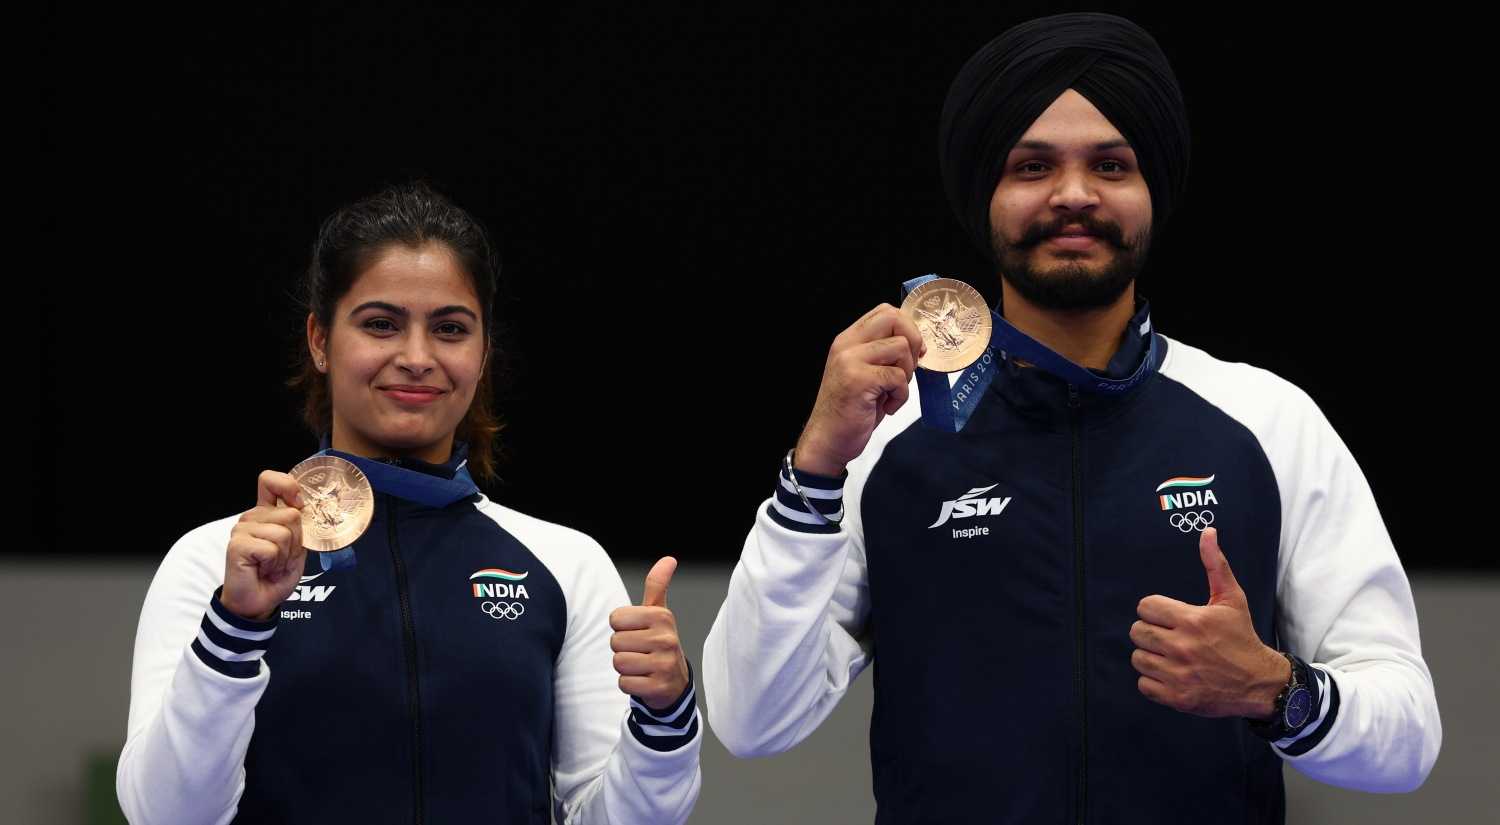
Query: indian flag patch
[[498, 573], [1184, 482]]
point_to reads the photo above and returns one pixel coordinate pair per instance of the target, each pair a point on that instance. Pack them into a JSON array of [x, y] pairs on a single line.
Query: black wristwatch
[[1294, 705]]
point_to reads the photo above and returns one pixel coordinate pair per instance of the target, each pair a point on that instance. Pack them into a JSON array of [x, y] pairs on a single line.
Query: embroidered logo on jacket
[[496, 586], [970, 505], [1187, 498]]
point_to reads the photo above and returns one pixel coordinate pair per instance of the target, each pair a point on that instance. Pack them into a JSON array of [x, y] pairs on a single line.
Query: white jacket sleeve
[[1346, 607], [195, 679], [614, 761], [790, 636]]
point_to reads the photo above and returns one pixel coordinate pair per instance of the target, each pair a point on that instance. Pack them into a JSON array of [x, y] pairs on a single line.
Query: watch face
[[1298, 708]]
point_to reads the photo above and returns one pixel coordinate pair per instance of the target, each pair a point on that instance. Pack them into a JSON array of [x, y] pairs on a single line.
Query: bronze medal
[[337, 502], [954, 321]]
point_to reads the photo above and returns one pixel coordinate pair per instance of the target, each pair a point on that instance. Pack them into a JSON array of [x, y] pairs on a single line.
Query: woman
[[461, 666]]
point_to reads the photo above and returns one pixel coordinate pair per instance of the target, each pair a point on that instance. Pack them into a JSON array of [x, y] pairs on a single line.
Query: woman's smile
[[411, 394]]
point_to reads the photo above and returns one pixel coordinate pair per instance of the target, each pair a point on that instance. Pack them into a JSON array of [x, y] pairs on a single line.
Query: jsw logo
[[969, 504], [316, 593]]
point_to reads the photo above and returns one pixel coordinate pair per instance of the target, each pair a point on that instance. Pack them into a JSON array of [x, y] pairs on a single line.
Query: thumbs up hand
[[1207, 660], [648, 654]]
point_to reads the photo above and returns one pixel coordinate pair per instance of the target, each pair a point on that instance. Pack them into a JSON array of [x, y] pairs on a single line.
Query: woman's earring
[[320, 364]]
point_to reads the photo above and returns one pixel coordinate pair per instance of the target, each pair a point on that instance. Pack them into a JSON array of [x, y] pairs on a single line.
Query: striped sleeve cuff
[[825, 494], [229, 644], [670, 729], [1328, 710]]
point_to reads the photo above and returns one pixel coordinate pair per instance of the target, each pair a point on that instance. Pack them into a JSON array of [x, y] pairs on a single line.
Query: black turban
[[1007, 85]]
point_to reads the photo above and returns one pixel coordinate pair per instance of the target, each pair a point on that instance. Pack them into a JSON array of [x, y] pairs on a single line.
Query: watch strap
[[1300, 678]]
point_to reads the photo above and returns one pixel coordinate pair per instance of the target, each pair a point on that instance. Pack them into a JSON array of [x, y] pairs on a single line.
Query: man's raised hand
[[865, 379]]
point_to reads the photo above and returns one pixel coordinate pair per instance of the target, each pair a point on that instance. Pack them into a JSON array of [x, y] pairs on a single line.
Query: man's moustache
[[1109, 234]]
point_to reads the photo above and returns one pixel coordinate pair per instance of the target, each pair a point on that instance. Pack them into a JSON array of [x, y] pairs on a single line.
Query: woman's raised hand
[[265, 557]]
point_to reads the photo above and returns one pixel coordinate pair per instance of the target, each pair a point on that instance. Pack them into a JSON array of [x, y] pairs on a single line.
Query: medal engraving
[[337, 502], [954, 321]]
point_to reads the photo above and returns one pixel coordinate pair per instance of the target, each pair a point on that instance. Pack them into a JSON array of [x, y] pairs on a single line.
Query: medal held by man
[[956, 327], [954, 321]]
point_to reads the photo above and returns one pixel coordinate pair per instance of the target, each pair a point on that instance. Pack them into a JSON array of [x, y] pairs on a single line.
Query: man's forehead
[[1098, 144]]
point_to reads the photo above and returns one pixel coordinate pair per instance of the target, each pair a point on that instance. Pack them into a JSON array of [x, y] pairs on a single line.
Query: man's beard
[[1071, 286]]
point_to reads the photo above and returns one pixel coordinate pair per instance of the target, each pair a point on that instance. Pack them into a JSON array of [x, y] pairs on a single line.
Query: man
[[1125, 593]]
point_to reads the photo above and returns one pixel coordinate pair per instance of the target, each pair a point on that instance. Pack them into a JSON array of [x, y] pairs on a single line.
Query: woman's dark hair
[[411, 215]]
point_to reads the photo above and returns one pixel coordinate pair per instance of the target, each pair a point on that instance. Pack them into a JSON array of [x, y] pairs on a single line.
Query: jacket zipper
[[1080, 681], [409, 637]]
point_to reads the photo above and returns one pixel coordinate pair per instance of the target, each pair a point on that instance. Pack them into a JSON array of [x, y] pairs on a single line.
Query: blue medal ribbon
[[947, 406], [404, 482]]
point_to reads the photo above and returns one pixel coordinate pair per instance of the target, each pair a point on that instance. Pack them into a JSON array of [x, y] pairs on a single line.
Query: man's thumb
[[657, 581], [1222, 586]]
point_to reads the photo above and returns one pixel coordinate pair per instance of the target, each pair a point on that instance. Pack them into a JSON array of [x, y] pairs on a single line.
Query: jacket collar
[[435, 485], [1038, 393]]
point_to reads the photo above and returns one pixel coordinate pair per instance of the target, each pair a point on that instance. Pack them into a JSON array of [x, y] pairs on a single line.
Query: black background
[[689, 207]]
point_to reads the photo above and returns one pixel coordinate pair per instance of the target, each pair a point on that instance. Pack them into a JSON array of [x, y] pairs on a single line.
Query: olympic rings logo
[[1190, 521], [503, 610]]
